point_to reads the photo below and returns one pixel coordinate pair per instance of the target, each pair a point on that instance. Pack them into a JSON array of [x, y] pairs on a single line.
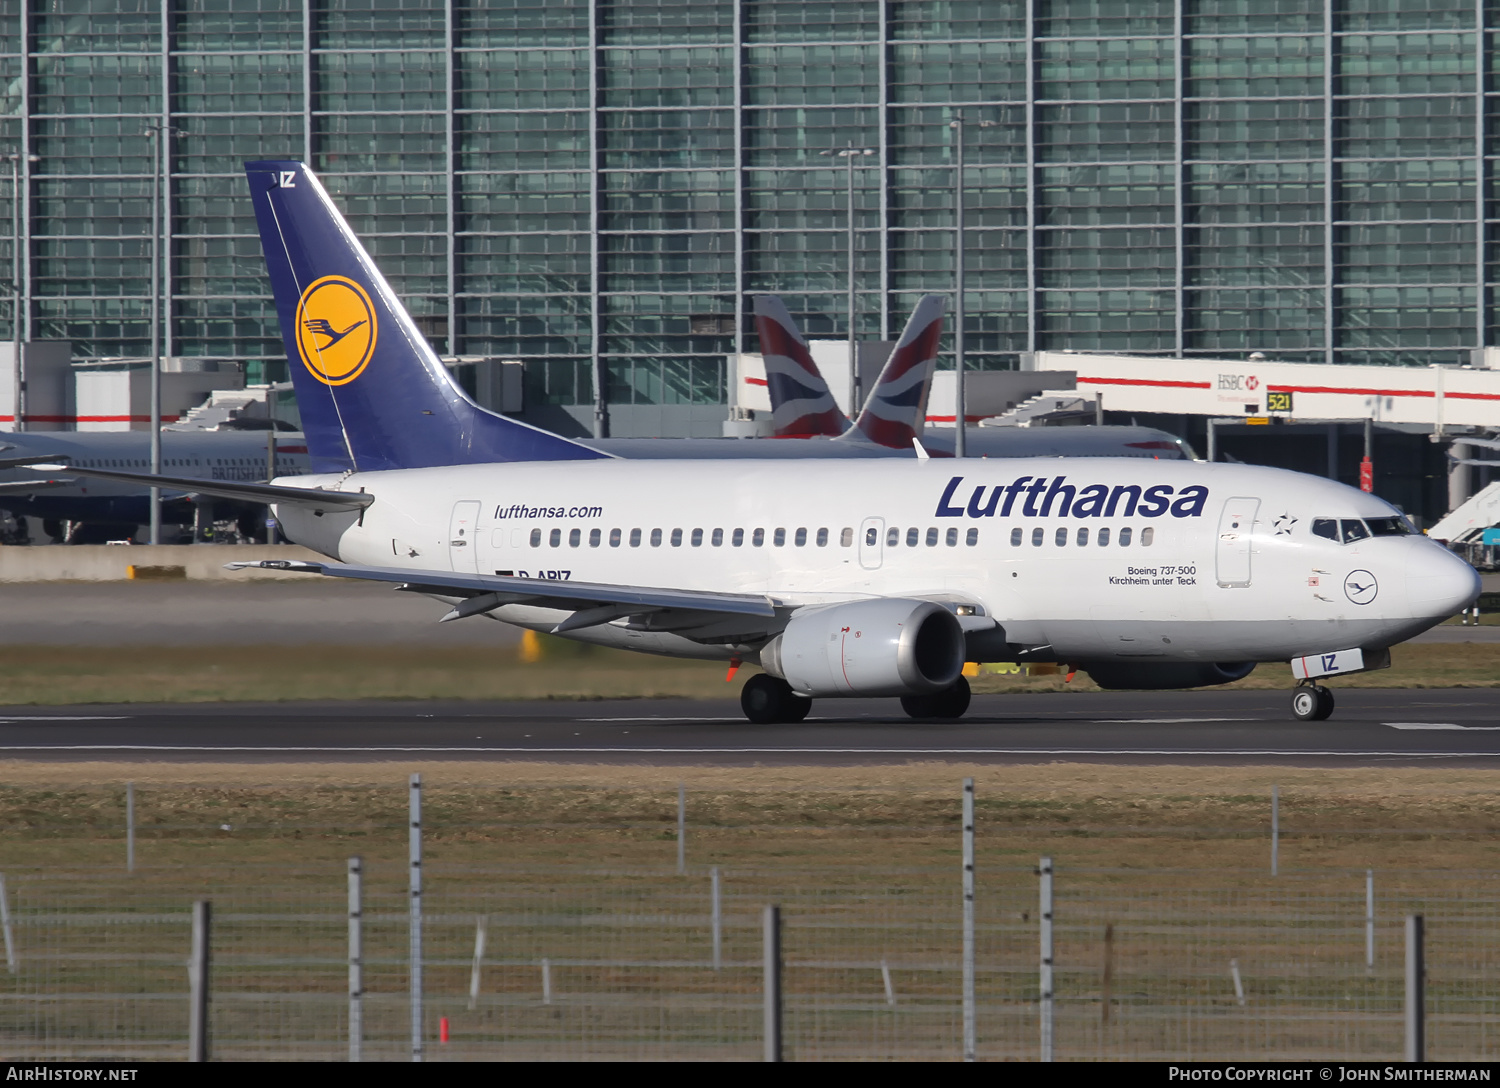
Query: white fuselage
[[1165, 560]]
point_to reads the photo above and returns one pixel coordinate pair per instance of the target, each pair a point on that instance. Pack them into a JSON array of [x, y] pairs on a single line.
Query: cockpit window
[[1348, 530], [1352, 529], [1388, 526]]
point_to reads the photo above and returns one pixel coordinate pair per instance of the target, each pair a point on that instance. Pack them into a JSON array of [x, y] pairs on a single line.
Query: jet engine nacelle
[[1142, 675], [891, 646]]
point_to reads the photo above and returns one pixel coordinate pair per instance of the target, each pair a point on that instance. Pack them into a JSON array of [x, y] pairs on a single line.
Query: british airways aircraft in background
[[895, 413], [875, 578], [96, 510]]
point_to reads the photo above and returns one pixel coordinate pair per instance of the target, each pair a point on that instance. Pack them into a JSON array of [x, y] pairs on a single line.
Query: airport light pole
[[157, 134], [849, 153], [18, 400], [960, 446]]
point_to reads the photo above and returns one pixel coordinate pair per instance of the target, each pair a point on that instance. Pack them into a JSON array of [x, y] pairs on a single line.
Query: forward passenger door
[[1232, 550]]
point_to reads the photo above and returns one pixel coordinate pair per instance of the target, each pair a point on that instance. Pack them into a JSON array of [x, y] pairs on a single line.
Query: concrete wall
[[108, 563]]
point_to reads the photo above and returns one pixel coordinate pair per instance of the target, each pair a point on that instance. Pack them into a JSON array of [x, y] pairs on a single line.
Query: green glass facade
[[595, 186]]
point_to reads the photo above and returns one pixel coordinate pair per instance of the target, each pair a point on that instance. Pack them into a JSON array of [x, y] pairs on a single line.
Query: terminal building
[[595, 187]]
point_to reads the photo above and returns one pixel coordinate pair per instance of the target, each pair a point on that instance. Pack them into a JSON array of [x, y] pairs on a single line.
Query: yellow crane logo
[[336, 329]]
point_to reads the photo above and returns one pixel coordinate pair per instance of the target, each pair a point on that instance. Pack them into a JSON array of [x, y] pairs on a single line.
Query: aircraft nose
[[1440, 584]]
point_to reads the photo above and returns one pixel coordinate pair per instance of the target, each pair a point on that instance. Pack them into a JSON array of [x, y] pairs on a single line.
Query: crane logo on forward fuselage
[[336, 330]]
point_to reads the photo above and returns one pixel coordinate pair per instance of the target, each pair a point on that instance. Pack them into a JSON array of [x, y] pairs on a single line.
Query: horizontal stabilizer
[[25, 487], [259, 493], [34, 459]]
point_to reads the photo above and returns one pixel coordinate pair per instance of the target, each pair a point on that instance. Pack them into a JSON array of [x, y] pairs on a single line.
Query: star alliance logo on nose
[[336, 330]]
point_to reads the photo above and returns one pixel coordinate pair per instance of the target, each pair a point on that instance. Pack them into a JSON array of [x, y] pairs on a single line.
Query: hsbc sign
[[1428, 396]]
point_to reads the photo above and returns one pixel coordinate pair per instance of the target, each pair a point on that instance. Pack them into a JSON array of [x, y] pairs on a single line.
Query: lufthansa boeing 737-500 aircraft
[[838, 577]]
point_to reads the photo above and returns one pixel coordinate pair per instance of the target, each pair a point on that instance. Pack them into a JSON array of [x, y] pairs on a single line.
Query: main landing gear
[[951, 702], [1312, 703], [767, 700]]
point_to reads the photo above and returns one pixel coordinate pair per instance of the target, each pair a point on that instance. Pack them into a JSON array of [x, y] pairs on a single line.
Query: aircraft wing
[[23, 487], [591, 603], [315, 497]]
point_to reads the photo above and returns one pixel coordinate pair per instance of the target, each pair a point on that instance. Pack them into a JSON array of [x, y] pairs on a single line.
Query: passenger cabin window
[[595, 536], [555, 538], [1147, 535], [738, 538], [758, 538], [779, 538], [635, 538], [536, 538], [656, 538], [1125, 537], [911, 537], [1103, 538], [952, 538], [1083, 538], [892, 537], [932, 538], [972, 537], [575, 538], [1036, 537], [676, 538], [717, 539], [800, 538], [1062, 537], [696, 540], [1015, 537], [614, 538], [822, 538], [846, 538]]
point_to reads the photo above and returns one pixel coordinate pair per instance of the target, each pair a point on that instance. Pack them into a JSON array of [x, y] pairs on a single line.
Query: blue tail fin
[[372, 393]]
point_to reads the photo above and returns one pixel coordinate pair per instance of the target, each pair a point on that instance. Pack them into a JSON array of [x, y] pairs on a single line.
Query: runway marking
[[615, 751], [1169, 721], [665, 719], [64, 718], [1445, 726]]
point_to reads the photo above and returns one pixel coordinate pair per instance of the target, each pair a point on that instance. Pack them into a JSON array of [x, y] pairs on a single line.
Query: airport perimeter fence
[[572, 962]]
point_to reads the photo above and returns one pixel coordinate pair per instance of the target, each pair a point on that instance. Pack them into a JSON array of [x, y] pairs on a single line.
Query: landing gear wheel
[[951, 702], [1312, 703], [766, 700]]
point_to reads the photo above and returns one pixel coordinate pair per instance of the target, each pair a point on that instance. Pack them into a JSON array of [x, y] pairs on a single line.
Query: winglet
[[802, 405], [922, 454]]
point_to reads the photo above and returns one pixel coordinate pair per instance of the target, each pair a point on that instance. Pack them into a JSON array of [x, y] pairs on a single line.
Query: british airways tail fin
[[801, 403], [896, 409], [372, 393]]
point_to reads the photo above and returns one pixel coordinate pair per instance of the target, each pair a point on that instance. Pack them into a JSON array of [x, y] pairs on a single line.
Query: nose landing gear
[[1312, 702]]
